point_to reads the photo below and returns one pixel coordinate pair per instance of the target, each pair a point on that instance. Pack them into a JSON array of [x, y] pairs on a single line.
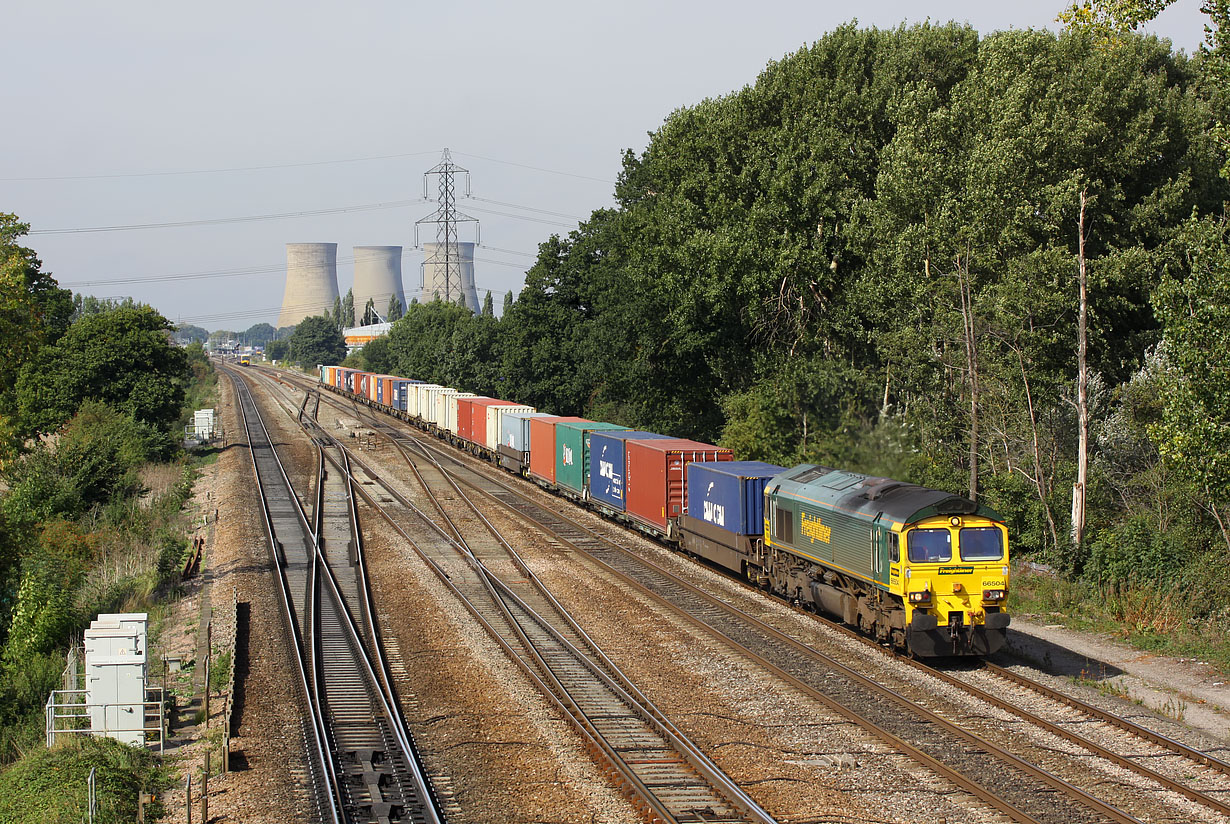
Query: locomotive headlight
[[993, 594], [920, 597]]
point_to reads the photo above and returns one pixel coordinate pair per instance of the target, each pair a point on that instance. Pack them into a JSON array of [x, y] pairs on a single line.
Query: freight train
[[920, 569]]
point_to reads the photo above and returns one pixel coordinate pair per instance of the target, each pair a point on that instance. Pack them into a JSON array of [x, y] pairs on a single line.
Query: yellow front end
[[953, 579]]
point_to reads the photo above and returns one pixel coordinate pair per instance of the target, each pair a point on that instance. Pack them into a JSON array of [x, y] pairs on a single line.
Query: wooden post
[[205, 791], [226, 734], [209, 655], [188, 803]]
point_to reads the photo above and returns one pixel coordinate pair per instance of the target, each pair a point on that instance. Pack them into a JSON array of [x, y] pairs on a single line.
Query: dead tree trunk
[[1082, 388]]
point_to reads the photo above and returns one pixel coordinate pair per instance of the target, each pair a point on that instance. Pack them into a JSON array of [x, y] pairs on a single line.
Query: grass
[[1143, 615]]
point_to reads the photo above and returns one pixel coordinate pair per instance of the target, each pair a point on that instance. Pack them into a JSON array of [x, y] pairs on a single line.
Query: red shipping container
[[542, 446], [465, 415], [656, 475], [477, 425]]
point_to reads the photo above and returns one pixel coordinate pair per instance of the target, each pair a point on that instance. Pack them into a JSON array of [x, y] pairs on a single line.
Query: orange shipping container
[[542, 445]]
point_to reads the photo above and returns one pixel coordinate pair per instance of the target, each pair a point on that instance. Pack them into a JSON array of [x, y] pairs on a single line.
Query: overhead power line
[[537, 168], [279, 268], [220, 171], [366, 207]]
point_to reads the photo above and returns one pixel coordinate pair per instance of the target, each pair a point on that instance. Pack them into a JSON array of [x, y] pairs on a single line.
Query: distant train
[[919, 568], [245, 361]]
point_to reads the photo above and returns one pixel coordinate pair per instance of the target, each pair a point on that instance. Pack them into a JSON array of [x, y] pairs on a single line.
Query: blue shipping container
[[515, 429], [608, 464], [399, 387], [730, 494]]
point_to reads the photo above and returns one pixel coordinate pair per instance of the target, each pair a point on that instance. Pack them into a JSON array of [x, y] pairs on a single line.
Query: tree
[[317, 341], [1194, 433], [336, 317], [123, 358], [488, 306], [347, 317], [187, 333], [369, 313], [259, 334], [508, 302], [34, 311], [277, 349], [395, 310], [84, 305], [377, 357]]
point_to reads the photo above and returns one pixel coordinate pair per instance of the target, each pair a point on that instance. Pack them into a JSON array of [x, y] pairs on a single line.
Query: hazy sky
[[137, 113]]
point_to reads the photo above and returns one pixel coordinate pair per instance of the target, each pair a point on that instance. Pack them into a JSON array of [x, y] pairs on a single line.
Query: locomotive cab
[[954, 574]]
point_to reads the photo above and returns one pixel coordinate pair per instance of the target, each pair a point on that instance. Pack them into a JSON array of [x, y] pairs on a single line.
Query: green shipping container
[[572, 453]]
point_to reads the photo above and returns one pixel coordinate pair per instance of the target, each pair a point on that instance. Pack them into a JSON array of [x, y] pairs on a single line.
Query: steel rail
[[427, 808], [322, 758]]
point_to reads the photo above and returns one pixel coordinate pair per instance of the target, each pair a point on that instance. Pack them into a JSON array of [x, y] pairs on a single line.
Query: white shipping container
[[420, 395], [438, 411], [494, 415]]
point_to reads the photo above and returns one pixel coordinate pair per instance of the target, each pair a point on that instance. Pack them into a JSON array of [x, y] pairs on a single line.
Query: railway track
[[1003, 769], [363, 765]]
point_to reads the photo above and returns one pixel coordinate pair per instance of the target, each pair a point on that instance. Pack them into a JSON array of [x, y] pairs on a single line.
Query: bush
[[49, 786]]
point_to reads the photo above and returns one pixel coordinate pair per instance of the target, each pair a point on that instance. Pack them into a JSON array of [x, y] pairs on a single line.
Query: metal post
[[188, 803], [93, 801], [205, 792]]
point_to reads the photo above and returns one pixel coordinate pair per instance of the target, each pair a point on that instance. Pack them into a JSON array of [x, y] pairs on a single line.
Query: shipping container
[[654, 481], [420, 405], [542, 449], [435, 401], [465, 416], [360, 384], [572, 453], [450, 410], [495, 415], [607, 467], [402, 389], [730, 495], [514, 441]]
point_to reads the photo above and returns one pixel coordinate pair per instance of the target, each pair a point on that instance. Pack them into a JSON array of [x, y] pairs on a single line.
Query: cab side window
[[894, 548]]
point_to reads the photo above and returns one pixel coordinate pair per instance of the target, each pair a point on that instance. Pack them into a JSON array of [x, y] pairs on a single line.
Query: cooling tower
[[311, 281], [377, 276], [438, 259]]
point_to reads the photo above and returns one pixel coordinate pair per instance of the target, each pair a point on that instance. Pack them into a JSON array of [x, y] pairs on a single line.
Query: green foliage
[[50, 785], [258, 335], [187, 333], [369, 313], [93, 461], [122, 358], [317, 341], [377, 357], [86, 305], [346, 319], [1193, 304], [44, 613], [394, 310], [277, 349], [446, 343]]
